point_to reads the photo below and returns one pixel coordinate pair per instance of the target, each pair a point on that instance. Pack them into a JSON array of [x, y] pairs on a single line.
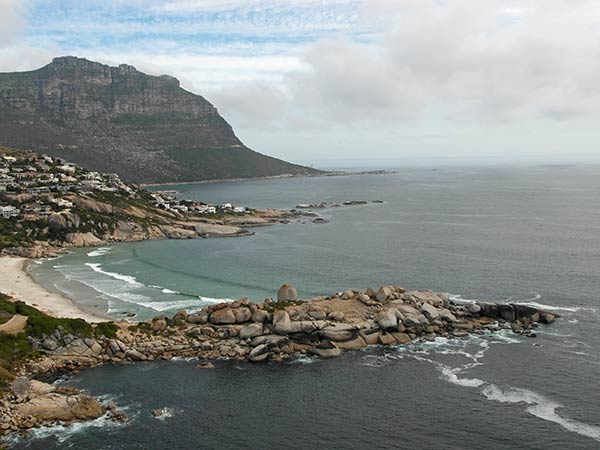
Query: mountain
[[117, 119]]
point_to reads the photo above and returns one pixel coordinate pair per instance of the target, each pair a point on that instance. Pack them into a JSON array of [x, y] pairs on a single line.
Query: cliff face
[[117, 119]]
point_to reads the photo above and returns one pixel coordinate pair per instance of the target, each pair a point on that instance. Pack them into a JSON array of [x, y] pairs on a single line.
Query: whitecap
[[179, 304], [117, 276], [540, 407], [554, 308], [166, 413], [169, 291], [99, 252]]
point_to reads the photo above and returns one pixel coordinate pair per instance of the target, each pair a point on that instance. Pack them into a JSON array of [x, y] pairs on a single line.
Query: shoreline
[[332, 173], [18, 283]]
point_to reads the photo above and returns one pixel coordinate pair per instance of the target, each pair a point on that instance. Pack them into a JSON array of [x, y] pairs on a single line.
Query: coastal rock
[[259, 353], [427, 297], [388, 319], [446, 315], [386, 338], [337, 316], [223, 316], [338, 332], [287, 293], [384, 293], [326, 349], [366, 300], [474, 308], [200, 317], [242, 314], [159, 325], [430, 311], [347, 295], [281, 322], [353, 344], [61, 407], [82, 240], [260, 316], [251, 330], [507, 312]]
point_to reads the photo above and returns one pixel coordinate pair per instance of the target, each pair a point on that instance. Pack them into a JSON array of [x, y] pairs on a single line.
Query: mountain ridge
[[118, 119]]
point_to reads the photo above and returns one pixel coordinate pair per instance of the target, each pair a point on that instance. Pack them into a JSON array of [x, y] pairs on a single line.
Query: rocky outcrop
[[31, 404], [120, 120], [82, 240], [323, 326]]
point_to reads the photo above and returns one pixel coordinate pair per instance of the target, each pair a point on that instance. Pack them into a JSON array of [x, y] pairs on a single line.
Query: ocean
[[519, 234]]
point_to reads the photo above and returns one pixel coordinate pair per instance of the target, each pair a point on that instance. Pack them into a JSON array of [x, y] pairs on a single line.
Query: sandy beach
[[15, 281]]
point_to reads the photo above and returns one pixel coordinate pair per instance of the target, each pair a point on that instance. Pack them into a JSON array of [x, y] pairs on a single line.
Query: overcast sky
[[321, 81]]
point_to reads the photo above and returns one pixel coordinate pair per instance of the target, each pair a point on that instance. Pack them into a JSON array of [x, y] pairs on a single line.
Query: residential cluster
[[33, 186], [167, 201]]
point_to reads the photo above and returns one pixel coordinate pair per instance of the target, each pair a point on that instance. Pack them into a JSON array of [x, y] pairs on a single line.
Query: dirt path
[[15, 325]]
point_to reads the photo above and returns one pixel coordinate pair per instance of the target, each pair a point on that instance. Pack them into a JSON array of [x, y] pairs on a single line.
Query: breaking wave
[[99, 252], [117, 276], [541, 407]]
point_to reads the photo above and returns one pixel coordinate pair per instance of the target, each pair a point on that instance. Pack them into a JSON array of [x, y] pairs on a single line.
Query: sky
[[344, 82]]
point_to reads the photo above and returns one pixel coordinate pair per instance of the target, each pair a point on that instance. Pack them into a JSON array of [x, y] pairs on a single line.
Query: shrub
[[108, 329], [14, 347], [42, 325]]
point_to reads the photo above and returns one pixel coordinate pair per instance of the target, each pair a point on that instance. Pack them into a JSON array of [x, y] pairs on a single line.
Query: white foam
[[65, 431], [554, 308], [166, 413], [541, 407], [180, 304], [169, 291], [117, 276], [99, 252]]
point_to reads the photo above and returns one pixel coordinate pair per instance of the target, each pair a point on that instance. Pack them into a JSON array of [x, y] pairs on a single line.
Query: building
[[9, 211]]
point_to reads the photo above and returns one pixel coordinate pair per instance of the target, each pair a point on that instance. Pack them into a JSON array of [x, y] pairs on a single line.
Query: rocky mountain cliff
[[118, 119]]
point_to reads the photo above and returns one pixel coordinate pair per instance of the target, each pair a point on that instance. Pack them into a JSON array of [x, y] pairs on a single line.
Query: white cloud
[[10, 21]]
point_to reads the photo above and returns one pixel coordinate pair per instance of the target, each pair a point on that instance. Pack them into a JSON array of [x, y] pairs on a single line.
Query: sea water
[[525, 235]]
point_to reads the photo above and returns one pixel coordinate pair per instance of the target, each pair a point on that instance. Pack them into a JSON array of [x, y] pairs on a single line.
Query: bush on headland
[[16, 348]]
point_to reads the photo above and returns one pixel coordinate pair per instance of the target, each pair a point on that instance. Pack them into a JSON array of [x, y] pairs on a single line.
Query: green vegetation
[[14, 348], [42, 325], [108, 329], [13, 234], [280, 305]]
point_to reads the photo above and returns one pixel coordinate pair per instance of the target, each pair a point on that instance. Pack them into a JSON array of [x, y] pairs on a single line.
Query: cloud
[[10, 21], [461, 60]]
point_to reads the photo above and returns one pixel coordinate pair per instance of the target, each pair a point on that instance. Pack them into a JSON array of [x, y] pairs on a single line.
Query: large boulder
[[259, 353], [281, 322], [326, 349], [430, 311], [242, 314], [489, 309], [223, 316], [61, 407], [507, 312], [384, 293], [287, 293], [427, 297], [200, 317], [251, 330], [338, 332], [388, 319]]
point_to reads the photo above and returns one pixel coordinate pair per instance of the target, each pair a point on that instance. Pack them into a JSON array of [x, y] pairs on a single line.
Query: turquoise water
[[528, 235]]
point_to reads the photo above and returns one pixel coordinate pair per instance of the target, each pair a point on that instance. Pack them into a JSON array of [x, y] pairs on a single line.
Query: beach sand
[[15, 281]]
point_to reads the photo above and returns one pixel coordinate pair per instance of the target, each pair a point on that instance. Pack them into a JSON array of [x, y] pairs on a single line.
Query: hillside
[[47, 204], [120, 120]]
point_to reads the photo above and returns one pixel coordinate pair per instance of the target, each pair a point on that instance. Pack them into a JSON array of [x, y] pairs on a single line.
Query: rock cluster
[[323, 326], [31, 404]]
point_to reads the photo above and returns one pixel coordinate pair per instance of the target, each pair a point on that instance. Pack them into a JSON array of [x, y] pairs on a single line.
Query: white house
[[9, 211]]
